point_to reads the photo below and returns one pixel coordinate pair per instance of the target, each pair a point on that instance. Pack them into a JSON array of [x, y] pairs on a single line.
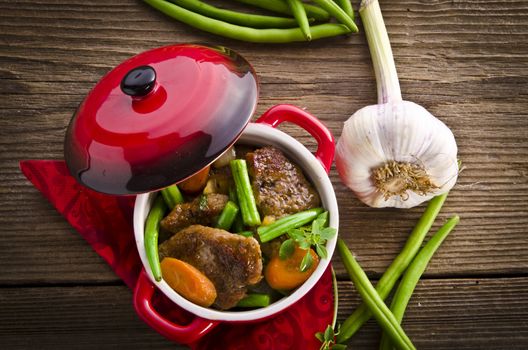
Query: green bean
[[346, 6], [281, 226], [244, 19], [281, 7], [172, 196], [228, 215], [232, 195], [246, 233], [339, 14], [151, 236], [299, 13], [246, 200], [238, 225], [361, 315], [244, 33], [371, 298], [255, 300], [413, 273]]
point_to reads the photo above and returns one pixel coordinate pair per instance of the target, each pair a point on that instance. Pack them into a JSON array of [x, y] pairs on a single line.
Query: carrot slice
[[197, 182], [286, 274], [188, 281]]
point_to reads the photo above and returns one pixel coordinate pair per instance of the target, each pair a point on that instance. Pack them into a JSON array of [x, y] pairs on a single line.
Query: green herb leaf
[[329, 333], [328, 233], [306, 263], [316, 227], [321, 251], [319, 223], [314, 235], [323, 217], [286, 249], [327, 339], [320, 336], [296, 234], [304, 244]]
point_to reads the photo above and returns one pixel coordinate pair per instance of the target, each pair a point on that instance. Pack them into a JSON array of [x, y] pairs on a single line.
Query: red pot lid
[[160, 117]]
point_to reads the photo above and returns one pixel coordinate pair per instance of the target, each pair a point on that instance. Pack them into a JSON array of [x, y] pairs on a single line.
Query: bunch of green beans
[[362, 314], [413, 261], [374, 302], [412, 275], [294, 23]]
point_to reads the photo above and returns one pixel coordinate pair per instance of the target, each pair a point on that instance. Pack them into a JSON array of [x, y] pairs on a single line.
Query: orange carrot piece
[[286, 274], [197, 182], [188, 281]]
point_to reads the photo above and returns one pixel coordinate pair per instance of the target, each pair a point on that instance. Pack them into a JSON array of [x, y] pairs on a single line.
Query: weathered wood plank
[[73, 317], [443, 314], [455, 314]]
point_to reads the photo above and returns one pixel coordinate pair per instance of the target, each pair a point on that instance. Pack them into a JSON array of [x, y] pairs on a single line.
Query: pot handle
[[181, 334], [290, 113]]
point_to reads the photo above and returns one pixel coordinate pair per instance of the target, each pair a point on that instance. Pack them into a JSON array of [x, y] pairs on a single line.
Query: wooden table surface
[[465, 61]]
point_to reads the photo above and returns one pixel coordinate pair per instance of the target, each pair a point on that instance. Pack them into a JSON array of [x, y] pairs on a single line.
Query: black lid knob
[[139, 81]]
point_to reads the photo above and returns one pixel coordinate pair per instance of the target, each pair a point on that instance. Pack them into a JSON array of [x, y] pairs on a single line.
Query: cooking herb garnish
[[328, 339], [315, 235], [202, 204]]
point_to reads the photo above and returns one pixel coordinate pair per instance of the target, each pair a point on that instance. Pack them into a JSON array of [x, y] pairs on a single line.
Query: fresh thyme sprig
[[315, 235], [327, 339]]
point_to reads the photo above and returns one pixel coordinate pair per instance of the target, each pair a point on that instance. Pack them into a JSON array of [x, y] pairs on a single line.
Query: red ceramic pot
[[162, 116]]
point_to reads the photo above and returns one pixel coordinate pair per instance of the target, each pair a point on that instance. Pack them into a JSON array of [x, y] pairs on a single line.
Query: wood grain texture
[[100, 317], [443, 314], [454, 314], [465, 61]]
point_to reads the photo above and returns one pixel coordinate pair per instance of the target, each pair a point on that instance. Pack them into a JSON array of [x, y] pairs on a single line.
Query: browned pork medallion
[[202, 210], [279, 186], [230, 261]]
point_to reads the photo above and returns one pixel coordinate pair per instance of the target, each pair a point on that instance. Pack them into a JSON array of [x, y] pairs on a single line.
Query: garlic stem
[[381, 52]]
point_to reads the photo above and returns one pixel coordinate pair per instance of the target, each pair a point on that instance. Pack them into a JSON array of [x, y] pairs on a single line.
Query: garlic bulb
[[395, 153]]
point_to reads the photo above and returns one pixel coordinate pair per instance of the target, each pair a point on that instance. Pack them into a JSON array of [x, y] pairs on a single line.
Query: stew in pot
[[243, 233]]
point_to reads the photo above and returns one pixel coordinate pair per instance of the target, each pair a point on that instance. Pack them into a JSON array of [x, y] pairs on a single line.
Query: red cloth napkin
[[105, 222]]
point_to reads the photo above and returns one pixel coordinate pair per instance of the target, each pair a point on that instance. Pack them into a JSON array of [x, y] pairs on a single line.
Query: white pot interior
[[256, 135]]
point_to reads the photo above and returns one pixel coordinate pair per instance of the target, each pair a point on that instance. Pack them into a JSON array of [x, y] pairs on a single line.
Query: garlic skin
[[400, 131]]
